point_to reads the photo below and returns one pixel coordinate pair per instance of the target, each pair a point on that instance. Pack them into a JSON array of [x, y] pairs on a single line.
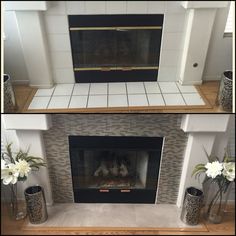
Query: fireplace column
[[204, 133], [33, 40], [198, 28], [29, 135]]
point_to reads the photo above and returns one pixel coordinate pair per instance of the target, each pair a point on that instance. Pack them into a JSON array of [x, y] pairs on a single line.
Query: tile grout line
[[127, 94], [71, 96], [107, 94], [162, 94], [51, 97], [88, 95], [181, 94], [146, 94]]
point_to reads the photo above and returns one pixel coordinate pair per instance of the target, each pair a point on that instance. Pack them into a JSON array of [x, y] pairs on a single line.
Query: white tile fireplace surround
[[200, 130], [186, 34]]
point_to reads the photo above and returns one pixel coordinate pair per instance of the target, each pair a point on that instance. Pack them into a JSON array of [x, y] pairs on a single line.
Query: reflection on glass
[[112, 169], [115, 48]]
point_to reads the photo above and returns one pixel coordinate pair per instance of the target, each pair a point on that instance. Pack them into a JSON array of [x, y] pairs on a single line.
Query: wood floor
[[208, 90], [10, 227]]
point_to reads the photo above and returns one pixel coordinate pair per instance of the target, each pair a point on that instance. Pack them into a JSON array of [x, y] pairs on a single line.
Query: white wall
[[219, 56], [14, 63], [223, 140]]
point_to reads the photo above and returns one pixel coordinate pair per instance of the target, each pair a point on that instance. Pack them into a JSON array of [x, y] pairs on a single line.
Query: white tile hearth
[[81, 89], [135, 88], [137, 100], [155, 100], [105, 95], [98, 88], [122, 215], [152, 87], [63, 89], [78, 102], [193, 99], [44, 92], [39, 103], [168, 87], [97, 101], [59, 102], [173, 99], [186, 88], [117, 88], [117, 100]]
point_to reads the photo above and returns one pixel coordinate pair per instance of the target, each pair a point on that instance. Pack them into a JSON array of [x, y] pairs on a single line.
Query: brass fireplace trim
[[117, 28], [126, 68]]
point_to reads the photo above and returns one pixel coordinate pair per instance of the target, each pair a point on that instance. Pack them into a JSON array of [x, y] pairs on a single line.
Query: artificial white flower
[[229, 171], [213, 169], [9, 174], [23, 168]]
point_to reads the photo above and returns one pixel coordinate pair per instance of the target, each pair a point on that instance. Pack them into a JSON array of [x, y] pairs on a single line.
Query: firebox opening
[[125, 168]]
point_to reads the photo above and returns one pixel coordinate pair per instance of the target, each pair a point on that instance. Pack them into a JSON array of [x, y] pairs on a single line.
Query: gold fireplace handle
[[104, 190], [105, 68], [125, 190], [126, 68]]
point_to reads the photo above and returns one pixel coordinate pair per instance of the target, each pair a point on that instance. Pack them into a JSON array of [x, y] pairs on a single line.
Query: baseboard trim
[[190, 82], [20, 82], [211, 78], [40, 86]]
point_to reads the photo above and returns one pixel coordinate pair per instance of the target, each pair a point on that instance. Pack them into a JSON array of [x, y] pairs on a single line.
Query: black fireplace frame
[[88, 195], [116, 74]]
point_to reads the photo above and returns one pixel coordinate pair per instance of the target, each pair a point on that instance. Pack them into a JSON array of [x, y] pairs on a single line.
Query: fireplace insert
[[115, 48], [113, 169]]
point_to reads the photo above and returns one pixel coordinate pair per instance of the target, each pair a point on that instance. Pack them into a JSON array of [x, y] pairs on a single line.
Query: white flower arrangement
[[215, 169], [16, 167], [221, 173]]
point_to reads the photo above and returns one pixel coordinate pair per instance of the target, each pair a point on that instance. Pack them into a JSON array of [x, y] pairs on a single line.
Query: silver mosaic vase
[[9, 96], [192, 206], [36, 204], [225, 91]]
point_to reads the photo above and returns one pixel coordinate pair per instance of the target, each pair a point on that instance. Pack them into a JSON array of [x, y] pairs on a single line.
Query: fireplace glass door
[[111, 169], [112, 49], [115, 48]]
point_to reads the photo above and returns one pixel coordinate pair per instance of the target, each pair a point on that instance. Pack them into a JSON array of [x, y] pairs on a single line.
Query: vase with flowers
[[15, 167], [216, 185]]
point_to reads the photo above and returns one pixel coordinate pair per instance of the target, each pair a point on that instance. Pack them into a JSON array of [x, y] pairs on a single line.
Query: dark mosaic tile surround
[[163, 125]]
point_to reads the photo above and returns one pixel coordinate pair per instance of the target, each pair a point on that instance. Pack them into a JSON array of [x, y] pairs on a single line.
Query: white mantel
[[203, 132], [204, 4], [198, 30], [25, 131], [26, 6], [186, 35]]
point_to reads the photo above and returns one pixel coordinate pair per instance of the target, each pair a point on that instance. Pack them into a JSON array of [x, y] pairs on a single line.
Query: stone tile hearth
[[108, 95], [114, 215]]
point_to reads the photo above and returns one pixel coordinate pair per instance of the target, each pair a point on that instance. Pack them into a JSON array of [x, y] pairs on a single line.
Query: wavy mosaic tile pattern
[[163, 125]]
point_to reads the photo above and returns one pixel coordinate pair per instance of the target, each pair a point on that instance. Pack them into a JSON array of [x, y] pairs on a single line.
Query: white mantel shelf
[[27, 122], [26, 5], [204, 123], [204, 4]]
